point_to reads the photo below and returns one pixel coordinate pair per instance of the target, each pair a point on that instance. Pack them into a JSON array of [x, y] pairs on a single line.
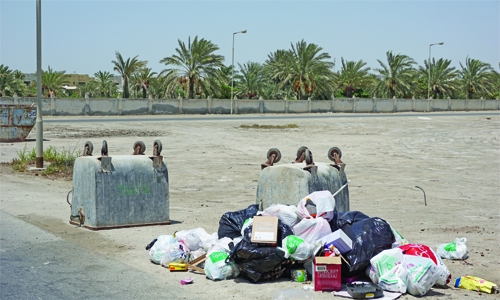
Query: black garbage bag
[[231, 223], [369, 236], [341, 219], [260, 262], [283, 231]]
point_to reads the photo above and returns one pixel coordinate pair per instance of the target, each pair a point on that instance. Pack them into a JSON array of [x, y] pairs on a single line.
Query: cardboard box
[[339, 239], [327, 273], [264, 230]]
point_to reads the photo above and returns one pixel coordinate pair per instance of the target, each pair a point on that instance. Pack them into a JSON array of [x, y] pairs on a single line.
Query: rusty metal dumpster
[[16, 122], [289, 183], [120, 190]]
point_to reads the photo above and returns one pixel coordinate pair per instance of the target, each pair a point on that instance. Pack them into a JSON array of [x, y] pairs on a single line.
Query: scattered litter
[[476, 284], [454, 250], [177, 267], [187, 281]]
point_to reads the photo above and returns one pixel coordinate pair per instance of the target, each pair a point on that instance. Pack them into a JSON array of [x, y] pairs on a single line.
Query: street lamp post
[[232, 69], [39, 121], [429, 81]]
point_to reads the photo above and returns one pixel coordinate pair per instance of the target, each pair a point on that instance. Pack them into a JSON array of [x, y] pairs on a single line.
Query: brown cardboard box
[[327, 273], [264, 230]]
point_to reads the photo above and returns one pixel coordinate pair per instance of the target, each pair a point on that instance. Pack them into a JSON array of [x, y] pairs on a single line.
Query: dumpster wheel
[[88, 147], [277, 154], [300, 151], [309, 158], [104, 148], [157, 147], [139, 148], [332, 151]]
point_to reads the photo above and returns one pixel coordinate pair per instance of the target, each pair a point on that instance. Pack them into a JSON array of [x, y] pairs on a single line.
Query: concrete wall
[[113, 106]]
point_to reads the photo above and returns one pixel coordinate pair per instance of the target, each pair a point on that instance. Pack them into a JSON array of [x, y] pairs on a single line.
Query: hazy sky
[[82, 36]]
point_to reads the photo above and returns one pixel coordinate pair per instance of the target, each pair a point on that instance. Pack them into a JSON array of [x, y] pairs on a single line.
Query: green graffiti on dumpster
[[133, 190]]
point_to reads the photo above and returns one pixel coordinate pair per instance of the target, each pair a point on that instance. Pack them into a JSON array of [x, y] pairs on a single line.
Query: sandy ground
[[214, 166]]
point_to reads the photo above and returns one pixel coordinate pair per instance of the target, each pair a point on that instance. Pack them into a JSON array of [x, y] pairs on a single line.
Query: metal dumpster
[[16, 122], [289, 183], [120, 190]]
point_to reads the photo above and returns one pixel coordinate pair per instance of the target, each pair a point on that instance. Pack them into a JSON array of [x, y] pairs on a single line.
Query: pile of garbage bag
[[378, 251]]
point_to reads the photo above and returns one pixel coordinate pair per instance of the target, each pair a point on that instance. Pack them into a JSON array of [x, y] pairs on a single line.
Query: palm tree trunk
[[125, 88], [144, 92]]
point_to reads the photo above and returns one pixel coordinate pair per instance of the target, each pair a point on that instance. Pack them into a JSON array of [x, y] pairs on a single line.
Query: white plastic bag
[[286, 213], [216, 267], [157, 251], [177, 252], [312, 230], [422, 274], [387, 270], [190, 238], [322, 202], [297, 248], [454, 250]]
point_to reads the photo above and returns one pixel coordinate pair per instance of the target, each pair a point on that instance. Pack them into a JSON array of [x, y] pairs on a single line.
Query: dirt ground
[[214, 166]]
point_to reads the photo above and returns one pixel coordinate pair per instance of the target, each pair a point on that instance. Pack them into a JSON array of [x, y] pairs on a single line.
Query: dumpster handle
[[67, 198], [341, 188], [425, 199]]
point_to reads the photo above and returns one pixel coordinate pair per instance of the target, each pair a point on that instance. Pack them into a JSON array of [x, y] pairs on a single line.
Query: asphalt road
[[256, 117], [35, 264]]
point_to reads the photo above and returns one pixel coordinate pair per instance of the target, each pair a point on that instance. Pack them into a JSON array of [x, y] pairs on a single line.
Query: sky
[[82, 36]]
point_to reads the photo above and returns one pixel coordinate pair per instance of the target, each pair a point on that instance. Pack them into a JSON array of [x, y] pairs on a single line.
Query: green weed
[[55, 162]]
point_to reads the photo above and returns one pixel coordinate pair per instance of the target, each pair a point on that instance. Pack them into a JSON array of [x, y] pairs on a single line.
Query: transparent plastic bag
[[217, 265], [312, 230], [157, 251], [297, 248], [286, 213], [175, 253], [454, 250], [320, 204]]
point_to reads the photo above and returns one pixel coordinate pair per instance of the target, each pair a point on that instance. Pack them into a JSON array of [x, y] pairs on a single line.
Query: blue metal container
[[120, 191], [16, 122]]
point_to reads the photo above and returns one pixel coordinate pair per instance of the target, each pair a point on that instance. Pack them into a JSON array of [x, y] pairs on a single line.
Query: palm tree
[[11, 82], [495, 79], [475, 78], [53, 81], [104, 83], [126, 68], [303, 67], [251, 82], [395, 78], [193, 63], [352, 77], [142, 78], [443, 77]]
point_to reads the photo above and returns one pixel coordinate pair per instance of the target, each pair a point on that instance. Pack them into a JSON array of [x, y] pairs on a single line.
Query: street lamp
[[232, 69], [39, 121], [429, 83]]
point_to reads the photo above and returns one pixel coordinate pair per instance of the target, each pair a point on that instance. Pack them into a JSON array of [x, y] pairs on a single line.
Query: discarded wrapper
[[186, 281], [476, 284]]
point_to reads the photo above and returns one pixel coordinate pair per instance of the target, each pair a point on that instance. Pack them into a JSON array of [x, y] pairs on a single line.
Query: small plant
[[58, 162], [257, 126]]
